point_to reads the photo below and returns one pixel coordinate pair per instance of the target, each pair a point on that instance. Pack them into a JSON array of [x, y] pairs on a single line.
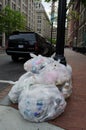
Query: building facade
[[42, 23], [82, 27], [36, 17], [77, 26]]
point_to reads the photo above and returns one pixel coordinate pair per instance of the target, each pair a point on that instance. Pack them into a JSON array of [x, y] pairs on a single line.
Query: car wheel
[[14, 58]]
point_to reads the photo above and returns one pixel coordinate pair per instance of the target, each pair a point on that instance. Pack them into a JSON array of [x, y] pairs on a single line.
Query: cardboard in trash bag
[[66, 89], [39, 102]]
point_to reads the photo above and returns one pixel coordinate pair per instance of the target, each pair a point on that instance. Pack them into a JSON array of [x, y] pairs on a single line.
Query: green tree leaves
[[73, 15], [11, 20]]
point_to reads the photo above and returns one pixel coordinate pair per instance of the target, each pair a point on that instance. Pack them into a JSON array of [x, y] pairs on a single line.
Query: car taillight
[[36, 46]]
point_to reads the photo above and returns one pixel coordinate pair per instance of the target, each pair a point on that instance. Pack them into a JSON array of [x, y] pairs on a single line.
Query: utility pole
[[52, 18], [60, 42]]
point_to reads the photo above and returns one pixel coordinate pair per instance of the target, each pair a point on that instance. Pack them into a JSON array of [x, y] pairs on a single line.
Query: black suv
[[20, 44]]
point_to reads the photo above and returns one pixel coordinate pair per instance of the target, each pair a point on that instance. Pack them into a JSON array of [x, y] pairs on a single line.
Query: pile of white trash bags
[[42, 90]]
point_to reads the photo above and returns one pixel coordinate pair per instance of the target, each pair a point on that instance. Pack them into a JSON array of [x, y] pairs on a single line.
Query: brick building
[[77, 25]]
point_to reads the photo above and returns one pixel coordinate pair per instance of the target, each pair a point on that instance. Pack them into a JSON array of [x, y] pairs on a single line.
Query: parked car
[[21, 44]]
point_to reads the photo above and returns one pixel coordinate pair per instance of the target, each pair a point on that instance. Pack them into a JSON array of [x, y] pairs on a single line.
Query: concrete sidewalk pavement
[[10, 119]]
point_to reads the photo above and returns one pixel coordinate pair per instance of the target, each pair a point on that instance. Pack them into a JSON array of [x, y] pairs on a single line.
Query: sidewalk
[[74, 116], [10, 119]]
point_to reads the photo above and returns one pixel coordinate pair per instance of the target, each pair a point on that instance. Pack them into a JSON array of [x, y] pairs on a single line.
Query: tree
[[11, 20], [73, 14], [73, 1], [19, 21]]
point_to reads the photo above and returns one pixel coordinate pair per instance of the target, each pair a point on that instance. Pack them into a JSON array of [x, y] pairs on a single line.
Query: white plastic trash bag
[[36, 63], [58, 74], [23, 81], [54, 73], [38, 103]]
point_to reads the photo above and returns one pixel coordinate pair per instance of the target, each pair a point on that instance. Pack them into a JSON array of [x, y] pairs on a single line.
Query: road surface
[[9, 70]]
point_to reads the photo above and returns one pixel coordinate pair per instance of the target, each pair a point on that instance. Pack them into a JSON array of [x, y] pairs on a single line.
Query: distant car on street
[[21, 44]]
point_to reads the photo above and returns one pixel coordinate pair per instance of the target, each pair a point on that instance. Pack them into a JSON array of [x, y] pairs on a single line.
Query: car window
[[27, 37]]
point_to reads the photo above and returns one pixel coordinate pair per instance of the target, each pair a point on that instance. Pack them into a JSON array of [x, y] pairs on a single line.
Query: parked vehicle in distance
[[21, 44]]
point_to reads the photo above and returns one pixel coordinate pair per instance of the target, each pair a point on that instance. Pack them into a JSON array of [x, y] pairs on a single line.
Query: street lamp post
[[60, 42], [52, 17], [51, 31]]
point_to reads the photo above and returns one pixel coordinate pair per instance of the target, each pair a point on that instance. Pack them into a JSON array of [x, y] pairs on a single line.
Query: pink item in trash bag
[[50, 76]]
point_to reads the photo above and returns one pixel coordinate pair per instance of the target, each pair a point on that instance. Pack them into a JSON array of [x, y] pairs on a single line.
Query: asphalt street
[[10, 70]]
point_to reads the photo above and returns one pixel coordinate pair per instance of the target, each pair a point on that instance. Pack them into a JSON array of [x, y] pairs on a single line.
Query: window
[[7, 2], [18, 8], [27, 37], [39, 17], [39, 21], [13, 6], [39, 25], [19, 2], [14, 0], [39, 29], [39, 5]]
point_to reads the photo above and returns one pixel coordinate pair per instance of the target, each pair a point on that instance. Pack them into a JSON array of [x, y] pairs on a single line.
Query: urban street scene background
[[40, 21], [42, 64]]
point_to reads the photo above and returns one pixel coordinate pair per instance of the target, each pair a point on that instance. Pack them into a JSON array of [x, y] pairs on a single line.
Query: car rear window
[[27, 37]]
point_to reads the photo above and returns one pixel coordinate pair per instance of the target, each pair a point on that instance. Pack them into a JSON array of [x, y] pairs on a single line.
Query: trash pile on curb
[[42, 91]]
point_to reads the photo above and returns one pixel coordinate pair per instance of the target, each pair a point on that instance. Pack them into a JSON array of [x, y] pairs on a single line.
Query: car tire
[[14, 58]]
